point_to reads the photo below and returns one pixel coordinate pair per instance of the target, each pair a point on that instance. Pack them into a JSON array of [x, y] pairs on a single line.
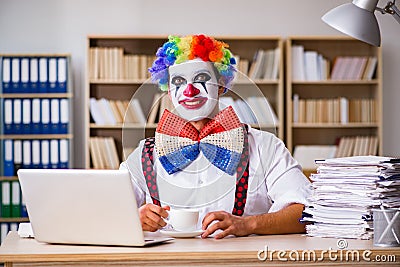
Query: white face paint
[[193, 87]]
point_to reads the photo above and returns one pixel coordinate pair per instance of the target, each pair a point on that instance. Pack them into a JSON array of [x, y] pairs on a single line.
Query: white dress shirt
[[275, 180]]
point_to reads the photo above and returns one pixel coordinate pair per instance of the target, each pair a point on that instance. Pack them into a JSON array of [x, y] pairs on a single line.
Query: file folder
[[62, 71], [43, 75], [45, 116], [25, 76], [4, 227], [8, 163], [24, 211], [6, 75], [34, 75], [15, 199], [64, 116], [15, 75], [36, 128], [64, 154], [13, 226], [55, 116], [5, 199], [17, 156], [26, 116], [52, 75], [8, 116], [45, 154], [26, 154], [54, 154], [35, 154], [17, 116]]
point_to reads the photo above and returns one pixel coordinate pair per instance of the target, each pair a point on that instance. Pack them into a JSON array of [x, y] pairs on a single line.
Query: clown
[[242, 180]]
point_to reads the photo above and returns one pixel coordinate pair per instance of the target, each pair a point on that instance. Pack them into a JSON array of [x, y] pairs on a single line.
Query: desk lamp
[[358, 20]]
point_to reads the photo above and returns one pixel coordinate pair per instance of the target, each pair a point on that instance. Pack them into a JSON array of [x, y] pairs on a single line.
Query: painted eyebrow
[[176, 75], [202, 71], [195, 73]]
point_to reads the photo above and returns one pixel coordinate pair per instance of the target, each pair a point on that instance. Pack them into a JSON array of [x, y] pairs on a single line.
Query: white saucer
[[179, 234]]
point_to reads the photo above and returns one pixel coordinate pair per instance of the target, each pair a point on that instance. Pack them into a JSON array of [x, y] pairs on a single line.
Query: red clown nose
[[191, 91]]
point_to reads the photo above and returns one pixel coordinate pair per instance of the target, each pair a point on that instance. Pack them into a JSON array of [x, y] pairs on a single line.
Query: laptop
[[91, 207]]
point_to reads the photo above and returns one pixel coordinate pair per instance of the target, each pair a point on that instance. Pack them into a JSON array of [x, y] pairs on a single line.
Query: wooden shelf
[[8, 178], [265, 126], [141, 81], [36, 55], [335, 125], [36, 95], [117, 82], [36, 136], [337, 82], [332, 47], [154, 125], [124, 126], [259, 82], [13, 220]]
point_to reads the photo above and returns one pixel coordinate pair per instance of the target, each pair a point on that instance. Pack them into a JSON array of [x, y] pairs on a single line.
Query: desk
[[243, 251]]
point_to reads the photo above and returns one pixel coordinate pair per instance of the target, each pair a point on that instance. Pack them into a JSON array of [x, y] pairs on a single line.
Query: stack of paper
[[389, 184], [344, 192]]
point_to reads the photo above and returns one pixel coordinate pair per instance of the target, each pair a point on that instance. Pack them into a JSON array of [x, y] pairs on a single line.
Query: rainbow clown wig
[[180, 49]]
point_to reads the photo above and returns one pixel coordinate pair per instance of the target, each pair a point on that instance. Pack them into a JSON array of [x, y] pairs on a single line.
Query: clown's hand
[[151, 216], [228, 223]]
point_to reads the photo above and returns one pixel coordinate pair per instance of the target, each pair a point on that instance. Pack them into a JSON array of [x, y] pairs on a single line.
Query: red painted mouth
[[193, 103]]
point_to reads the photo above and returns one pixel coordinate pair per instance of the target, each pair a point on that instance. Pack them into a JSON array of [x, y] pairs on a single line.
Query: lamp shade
[[356, 22]]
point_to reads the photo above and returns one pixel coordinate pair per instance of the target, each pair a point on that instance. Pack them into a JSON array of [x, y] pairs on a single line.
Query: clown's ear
[[221, 89]]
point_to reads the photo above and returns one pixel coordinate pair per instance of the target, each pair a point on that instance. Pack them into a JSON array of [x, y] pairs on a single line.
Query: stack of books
[[308, 65], [114, 64], [113, 112], [357, 146], [344, 192], [334, 110], [353, 68], [252, 110], [161, 101], [313, 66], [265, 65], [103, 153]]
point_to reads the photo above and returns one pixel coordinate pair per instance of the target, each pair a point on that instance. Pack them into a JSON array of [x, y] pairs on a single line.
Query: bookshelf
[[127, 82], [350, 104], [36, 125]]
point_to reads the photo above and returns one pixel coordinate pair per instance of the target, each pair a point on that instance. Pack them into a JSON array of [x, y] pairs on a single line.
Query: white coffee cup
[[183, 219]]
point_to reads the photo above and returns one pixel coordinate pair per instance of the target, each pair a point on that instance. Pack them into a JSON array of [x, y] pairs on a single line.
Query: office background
[[61, 26]]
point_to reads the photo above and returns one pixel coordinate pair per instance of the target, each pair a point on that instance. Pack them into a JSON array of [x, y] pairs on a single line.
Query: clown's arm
[[288, 189], [283, 221]]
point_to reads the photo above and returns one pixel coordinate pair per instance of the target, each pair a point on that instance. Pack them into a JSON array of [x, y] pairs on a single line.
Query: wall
[[62, 26]]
